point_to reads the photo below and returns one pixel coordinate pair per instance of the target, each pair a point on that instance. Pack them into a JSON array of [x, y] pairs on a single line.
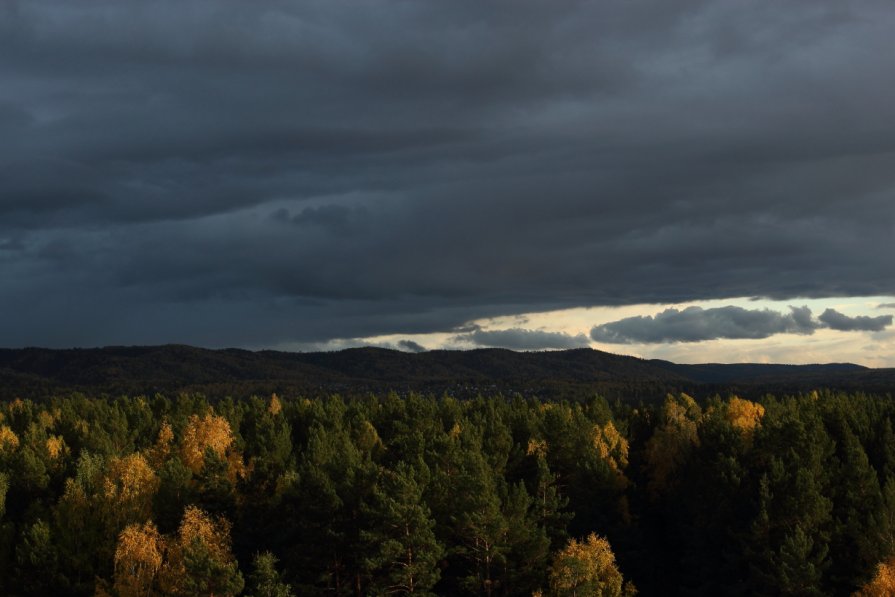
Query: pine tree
[[400, 539], [549, 505], [175, 492], [800, 565], [324, 511], [857, 513], [789, 543], [467, 503], [37, 563], [528, 546], [265, 580]]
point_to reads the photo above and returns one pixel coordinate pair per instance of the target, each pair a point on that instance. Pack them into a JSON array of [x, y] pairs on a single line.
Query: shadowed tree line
[[490, 496], [39, 373]]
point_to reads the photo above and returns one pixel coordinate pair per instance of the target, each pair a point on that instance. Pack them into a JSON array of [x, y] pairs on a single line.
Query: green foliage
[[37, 561], [265, 580], [176, 490], [528, 543], [206, 574], [401, 550], [414, 494]]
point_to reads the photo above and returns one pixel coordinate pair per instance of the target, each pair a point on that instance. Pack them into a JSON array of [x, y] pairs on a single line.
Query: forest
[[390, 494]]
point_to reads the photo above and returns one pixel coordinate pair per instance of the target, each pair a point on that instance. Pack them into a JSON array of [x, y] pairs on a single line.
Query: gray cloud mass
[[862, 323], [225, 173], [411, 346], [523, 339], [695, 324]]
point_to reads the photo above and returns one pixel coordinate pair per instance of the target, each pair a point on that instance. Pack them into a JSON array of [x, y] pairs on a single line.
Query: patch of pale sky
[[873, 349]]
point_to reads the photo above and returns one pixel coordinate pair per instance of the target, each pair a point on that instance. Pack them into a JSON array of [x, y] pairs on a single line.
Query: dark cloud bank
[[695, 324], [255, 173], [410, 346], [523, 339]]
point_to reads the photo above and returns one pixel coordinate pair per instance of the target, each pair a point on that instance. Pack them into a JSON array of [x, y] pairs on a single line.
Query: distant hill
[[39, 372]]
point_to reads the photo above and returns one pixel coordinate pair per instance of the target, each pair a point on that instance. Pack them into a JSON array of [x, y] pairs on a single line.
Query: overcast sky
[[309, 174]]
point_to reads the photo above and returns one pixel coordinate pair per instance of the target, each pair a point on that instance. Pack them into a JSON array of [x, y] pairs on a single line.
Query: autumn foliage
[[670, 446], [138, 559], [209, 432], [744, 415], [278, 496], [586, 568], [883, 582], [8, 439]]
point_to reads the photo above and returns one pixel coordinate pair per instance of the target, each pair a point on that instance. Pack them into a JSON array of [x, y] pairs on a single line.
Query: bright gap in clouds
[[822, 339]]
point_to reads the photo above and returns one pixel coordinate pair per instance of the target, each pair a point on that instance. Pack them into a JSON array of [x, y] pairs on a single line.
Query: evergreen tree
[[265, 581], [325, 511], [789, 544], [403, 552], [465, 496], [549, 505], [37, 565], [857, 515], [528, 546]]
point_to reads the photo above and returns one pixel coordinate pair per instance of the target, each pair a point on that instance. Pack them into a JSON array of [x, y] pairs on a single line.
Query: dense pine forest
[[497, 495]]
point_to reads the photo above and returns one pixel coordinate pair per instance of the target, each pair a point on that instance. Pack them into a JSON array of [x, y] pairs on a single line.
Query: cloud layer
[[862, 323], [258, 173], [695, 324], [523, 339]]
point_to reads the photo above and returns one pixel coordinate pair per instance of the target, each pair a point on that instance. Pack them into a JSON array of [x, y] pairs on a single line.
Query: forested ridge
[[497, 495], [38, 373]]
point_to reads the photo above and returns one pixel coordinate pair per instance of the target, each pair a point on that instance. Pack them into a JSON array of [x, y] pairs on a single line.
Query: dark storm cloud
[[229, 173], [522, 339], [839, 321], [695, 324], [336, 218]]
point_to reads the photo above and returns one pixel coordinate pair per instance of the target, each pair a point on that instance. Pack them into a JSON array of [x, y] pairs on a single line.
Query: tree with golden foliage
[[672, 441], [536, 447], [587, 568], [612, 446], [56, 447], [200, 560], [367, 439], [9, 441], [883, 584], [210, 432], [138, 559], [128, 487], [274, 407], [161, 450], [4, 488], [744, 415], [213, 533]]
